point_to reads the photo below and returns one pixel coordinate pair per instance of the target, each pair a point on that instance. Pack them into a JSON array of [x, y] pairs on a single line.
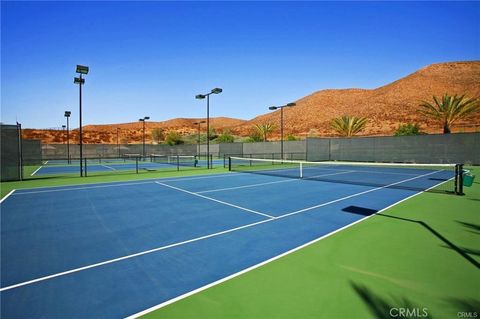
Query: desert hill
[[385, 107]]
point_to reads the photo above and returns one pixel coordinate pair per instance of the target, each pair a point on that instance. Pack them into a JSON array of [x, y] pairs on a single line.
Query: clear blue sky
[[151, 58]]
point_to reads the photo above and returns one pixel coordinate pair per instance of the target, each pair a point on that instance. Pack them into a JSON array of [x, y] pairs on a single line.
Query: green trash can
[[468, 179]]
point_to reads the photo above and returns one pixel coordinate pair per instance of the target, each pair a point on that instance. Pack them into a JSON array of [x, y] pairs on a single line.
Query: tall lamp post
[[118, 144], [281, 107], [201, 97], [63, 133], [143, 121], [198, 139], [81, 69], [67, 115]]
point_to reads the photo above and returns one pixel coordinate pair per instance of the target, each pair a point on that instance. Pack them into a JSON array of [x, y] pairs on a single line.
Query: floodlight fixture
[[143, 138], [281, 122], [82, 69], [67, 113], [78, 80], [201, 97]]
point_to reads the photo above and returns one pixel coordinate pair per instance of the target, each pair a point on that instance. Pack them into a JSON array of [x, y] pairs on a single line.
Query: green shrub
[[174, 138], [407, 130], [254, 136], [225, 137], [291, 137]]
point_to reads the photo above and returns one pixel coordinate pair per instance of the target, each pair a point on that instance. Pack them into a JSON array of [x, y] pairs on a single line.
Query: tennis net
[[180, 160], [444, 178]]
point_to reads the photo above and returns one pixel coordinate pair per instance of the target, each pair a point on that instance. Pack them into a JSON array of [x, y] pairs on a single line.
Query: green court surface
[[422, 254]]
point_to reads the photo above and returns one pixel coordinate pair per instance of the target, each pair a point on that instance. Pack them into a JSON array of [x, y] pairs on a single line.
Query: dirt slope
[[385, 107]]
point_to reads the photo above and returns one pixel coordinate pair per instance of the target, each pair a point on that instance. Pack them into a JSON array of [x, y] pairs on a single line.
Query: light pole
[[281, 107], [118, 144], [201, 97], [143, 121], [81, 69], [198, 140], [63, 133], [67, 115]]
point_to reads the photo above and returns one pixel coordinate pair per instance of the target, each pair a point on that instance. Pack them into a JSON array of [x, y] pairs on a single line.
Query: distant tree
[[173, 138], [158, 134], [407, 130], [265, 129], [291, 137], [123, 140], [449, 109], [254, 137], [212, 133], [225, 137], [349, 125]]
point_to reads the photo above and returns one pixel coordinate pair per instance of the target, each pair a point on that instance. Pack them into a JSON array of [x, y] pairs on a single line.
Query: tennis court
[[118, 249], [63, 166]]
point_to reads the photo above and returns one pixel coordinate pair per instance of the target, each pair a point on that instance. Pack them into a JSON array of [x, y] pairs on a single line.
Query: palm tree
[[265, 129], [449, 109], [349, 125]]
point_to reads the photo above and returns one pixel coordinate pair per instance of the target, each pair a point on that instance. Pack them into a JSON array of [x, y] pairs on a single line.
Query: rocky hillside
[[386, 108]]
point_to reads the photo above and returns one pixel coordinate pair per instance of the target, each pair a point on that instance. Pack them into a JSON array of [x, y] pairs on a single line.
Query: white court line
[[36, 170], [6, 196], [122, 183], [190, 293], [130, 256], [268, 183], [354, 195], [216, 200], [193, 240], [113, 169], [80, 188], [360, 171]]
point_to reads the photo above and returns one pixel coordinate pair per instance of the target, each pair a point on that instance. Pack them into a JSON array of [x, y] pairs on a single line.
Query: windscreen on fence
[[11, 166]]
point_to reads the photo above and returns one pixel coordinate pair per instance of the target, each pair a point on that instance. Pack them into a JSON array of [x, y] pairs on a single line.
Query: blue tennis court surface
[[114, 250], [111, 165]]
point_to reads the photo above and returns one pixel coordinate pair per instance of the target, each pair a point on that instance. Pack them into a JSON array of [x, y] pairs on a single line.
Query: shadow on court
[[464, 252], [381, 307]]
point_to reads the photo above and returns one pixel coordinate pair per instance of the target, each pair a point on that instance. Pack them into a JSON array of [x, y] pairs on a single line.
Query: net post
[[459, 179], [136, 164], [456, 179], [85, 166], [178, 162], [229, 164], [301, 170]]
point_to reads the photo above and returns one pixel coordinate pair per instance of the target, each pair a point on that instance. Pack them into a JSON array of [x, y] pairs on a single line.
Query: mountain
[[385, 107]]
